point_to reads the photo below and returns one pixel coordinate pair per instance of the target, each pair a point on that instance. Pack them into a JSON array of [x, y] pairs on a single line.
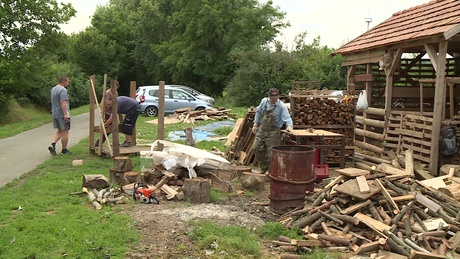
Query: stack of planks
[[241, 148], [186, 115], [365, 212]]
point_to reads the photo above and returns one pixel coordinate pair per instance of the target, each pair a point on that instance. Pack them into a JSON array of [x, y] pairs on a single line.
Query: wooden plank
[[362, 184], [424, 255], [372, 223], [368, 247], [333, 182], [387, 195], [386, 254], [364, 78], [355, 207], [352, 172], [351, 188], [431, 205]]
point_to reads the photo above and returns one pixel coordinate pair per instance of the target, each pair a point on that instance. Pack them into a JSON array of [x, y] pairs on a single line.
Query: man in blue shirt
[[270, 116]]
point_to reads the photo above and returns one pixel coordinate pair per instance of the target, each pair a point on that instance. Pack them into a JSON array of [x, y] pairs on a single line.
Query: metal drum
[[292, 174]]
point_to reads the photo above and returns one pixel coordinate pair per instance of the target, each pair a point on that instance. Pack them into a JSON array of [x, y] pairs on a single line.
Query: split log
[[197, 190], [95, 181], [170, 192], [92, 198], [122, 164], [253, 181], [452, 190]]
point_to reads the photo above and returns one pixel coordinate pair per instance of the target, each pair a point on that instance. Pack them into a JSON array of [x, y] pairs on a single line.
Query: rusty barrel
[[292, 174]]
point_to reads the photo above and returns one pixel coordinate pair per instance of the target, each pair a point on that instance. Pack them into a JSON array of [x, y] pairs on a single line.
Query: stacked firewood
[[186, 115], [363, 211], [322, 111]]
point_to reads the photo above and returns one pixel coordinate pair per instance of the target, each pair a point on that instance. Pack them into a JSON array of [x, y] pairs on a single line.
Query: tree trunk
[[253, 181], [122, 164], [197, 190]]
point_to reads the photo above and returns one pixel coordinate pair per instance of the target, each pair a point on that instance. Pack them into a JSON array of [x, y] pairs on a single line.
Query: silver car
[[195, 93], [175, 98]]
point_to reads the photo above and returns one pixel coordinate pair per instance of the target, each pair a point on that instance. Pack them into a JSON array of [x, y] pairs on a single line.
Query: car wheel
[[151, 111], [199, 108]]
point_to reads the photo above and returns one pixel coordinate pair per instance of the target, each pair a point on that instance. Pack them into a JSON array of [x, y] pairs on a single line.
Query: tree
[[205, 33], [24, 23]]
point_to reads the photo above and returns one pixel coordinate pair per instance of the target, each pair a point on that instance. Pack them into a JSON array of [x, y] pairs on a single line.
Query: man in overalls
[[270, 116]]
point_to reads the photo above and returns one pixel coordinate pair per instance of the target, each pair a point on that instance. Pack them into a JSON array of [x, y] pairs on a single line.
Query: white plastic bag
[[362, 101]]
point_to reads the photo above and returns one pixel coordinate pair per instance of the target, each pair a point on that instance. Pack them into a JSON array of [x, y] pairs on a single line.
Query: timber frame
[[412, 83]]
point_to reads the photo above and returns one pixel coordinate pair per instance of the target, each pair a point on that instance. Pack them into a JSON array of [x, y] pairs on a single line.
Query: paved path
[[22, 153]]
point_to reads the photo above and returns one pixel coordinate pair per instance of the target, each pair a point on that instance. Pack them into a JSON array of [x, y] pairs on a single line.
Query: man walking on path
[[61, 115]]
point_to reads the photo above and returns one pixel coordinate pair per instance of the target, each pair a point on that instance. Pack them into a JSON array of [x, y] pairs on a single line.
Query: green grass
[[23, 118], [225, 241], [39, 219]]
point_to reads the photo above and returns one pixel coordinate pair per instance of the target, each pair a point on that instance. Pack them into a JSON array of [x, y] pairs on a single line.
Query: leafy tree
[[259, 70], [205, 33], [24, 23]]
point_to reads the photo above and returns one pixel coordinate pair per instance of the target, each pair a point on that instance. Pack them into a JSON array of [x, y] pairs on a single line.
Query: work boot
[[126, 144]]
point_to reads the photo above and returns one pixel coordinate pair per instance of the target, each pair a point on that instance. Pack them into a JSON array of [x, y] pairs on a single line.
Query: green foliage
[[28, 22], [226, 241], [273, 230], [261, 69]]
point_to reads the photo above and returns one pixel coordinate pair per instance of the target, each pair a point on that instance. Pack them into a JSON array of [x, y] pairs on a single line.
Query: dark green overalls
[[268, 135]]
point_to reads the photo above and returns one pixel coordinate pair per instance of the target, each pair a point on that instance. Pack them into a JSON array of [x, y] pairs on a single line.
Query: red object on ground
[[321, 172]]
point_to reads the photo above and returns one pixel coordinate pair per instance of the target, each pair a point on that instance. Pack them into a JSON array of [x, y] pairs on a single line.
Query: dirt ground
[[165, 226]]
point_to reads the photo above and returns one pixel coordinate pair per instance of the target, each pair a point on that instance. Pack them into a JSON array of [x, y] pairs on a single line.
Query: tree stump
[[253, 182], [122, 164], [240, 169], [133, 177], [197, 190], [117, 177]]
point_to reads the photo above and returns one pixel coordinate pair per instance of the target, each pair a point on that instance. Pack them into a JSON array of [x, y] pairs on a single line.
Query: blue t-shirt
[[125, 104]]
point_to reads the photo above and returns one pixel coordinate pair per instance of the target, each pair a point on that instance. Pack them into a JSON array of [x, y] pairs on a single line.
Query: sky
[[336, 22]]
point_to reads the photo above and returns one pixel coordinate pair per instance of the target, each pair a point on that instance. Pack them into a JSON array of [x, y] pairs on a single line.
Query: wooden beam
[[387, 195], [452, 32], [431, 51], [439, 102], [372, 223]]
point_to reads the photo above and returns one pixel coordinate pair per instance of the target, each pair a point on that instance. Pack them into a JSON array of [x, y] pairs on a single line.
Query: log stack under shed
[[318, 109]]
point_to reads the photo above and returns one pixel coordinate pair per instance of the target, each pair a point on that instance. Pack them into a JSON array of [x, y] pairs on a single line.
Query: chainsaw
[[143, 194]]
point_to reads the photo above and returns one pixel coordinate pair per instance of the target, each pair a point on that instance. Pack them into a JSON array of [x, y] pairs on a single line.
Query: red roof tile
[[426, 20]]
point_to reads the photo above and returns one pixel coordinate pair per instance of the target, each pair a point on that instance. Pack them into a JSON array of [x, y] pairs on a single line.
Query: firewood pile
[[320, 109], [365, 212], [186, 115]]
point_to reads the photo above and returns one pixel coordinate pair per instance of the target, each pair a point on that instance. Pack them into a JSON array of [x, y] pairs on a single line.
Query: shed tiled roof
[[422, 21]]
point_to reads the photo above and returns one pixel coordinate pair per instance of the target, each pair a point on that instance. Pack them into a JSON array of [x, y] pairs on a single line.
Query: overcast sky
[[335, 21]]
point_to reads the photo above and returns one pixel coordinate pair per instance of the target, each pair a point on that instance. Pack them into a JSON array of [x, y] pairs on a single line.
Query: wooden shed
[[409, 66]]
